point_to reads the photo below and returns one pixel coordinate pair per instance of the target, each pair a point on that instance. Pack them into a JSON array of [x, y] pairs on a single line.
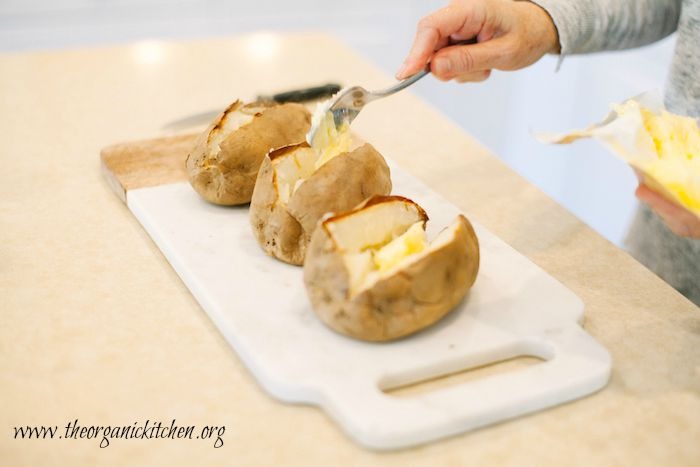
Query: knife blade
[[303, 95], [294, 95]]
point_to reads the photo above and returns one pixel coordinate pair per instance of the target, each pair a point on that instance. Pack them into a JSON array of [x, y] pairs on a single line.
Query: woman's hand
[[510, 35], [681, 221]]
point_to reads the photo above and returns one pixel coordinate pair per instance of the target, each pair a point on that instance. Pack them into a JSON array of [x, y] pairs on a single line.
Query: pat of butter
[[329, 140], [673, 136], [676, 140], [409, 243], [664, 147]]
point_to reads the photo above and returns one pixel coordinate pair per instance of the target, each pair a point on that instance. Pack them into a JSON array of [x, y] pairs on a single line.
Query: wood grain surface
[[144, 163]]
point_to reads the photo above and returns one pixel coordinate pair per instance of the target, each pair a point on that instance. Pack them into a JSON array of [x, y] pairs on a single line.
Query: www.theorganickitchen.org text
[[137, 430]]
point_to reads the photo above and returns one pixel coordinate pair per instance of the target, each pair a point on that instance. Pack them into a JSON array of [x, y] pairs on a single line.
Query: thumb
[[463, 59]]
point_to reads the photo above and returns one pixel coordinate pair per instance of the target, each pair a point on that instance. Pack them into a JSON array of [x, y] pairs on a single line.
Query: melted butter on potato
[[328, 143], [292, 193], [379, 241], [379, 261], [409, 243], [371, 274], [376, 260], [329, 140]]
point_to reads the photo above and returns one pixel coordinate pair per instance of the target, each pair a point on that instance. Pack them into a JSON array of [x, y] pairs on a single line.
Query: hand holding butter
[[663, 148]]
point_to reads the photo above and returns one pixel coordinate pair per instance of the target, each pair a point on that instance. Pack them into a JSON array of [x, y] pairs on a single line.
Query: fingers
[[424, 44], [461, 21], [475, 77], [511, 35], [678, 219], [474, 60], [434, 31]]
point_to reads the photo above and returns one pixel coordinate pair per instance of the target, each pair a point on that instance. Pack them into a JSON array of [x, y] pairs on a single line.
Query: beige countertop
[[95, 325]]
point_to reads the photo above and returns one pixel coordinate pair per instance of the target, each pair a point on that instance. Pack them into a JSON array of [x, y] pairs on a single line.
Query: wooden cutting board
[[151, 162], [260, 306]]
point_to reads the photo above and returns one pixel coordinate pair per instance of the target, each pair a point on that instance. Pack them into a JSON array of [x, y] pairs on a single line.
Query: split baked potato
[[224, 164], [371, 274], [298, 184]]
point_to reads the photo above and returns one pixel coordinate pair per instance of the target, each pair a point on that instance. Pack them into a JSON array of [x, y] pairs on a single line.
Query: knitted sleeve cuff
[[576, 24]]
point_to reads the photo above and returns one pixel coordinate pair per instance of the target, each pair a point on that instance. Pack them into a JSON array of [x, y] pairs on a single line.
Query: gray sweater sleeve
[[596, 25]]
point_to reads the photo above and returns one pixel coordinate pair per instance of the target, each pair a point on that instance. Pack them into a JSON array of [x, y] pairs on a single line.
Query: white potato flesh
[[374, 262], [378, 240], [233, 120], [359, 265], [399, 254], [291, 170], [374, 225], [329, 140]]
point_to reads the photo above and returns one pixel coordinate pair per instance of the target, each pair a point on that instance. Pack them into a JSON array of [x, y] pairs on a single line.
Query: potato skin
[[277, 232], [228, 178], [399, 305], [338, 185]]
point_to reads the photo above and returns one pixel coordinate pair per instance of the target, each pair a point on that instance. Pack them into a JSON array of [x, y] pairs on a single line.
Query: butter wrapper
[[663, 148]]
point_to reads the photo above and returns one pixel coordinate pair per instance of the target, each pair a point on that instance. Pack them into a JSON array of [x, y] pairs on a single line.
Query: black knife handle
[[308, 94]]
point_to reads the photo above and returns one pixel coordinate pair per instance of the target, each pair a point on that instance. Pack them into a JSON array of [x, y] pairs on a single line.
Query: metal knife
[[295, 95]]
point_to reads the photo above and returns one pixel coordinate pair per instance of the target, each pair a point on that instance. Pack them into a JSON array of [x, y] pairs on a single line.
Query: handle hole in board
[[463, 376]]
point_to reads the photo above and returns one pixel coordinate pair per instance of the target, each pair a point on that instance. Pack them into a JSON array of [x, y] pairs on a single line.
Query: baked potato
[[371, 274], [224, 163], [298, 184]]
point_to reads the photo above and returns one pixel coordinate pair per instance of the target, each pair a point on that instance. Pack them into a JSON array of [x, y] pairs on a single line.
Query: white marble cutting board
[[260, 306]]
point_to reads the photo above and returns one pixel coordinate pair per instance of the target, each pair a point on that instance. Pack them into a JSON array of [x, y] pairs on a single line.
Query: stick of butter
[[663, 147]]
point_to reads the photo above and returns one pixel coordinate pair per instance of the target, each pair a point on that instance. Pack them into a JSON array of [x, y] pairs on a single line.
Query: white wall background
[[500, 113]]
